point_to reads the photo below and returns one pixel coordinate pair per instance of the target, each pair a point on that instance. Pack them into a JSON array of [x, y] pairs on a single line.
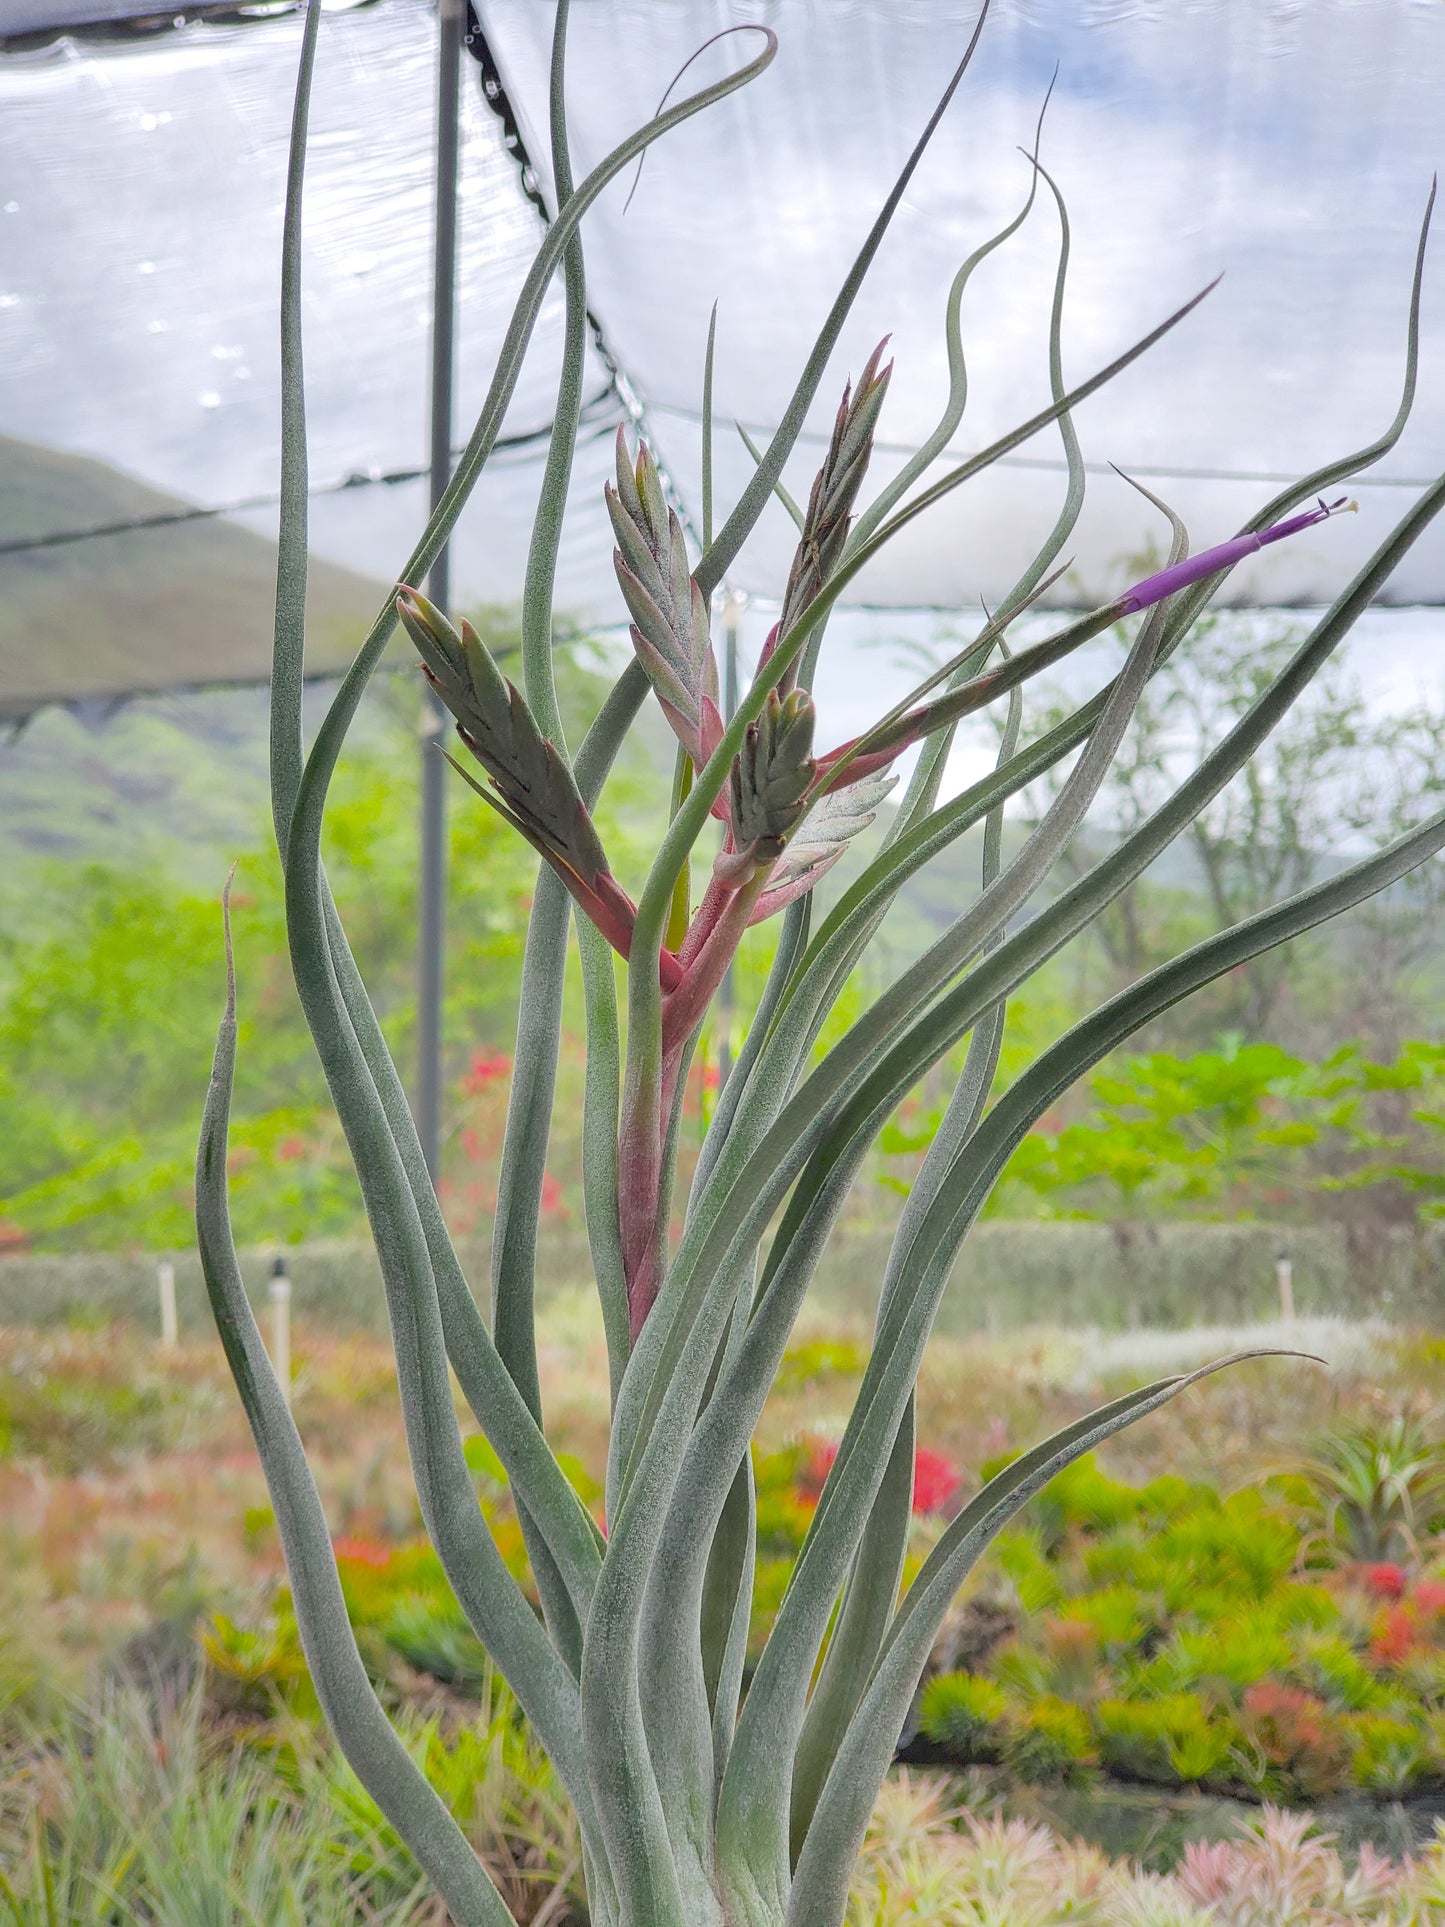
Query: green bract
[[697, 1804]]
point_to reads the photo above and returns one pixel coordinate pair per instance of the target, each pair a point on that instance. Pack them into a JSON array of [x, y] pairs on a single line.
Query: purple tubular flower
[[1193, 568]]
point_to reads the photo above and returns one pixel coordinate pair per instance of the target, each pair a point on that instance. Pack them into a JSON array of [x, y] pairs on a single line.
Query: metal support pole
[[166, 1286], [1284, 1285], [432, 905], [732, 627], [279, 1293]]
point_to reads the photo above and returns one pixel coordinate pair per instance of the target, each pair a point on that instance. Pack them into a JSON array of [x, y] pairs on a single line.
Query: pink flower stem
[[642, 1210], [683, 1008], [641, 1205], [639, 1184], [715, 900], [607, 906]]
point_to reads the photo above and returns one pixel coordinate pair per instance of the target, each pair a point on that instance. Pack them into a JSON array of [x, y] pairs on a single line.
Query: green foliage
[[107, 1012], [964, 1714], [1382, 1488], [402, 1609], [1049, 1740], [1169, 1132], [1390, 1755], [770, 1583], [1021, 1555], [784, 1510], [1243, 1130], [1115, 1617], [1205, 1546], [1191, 1645], [482, 1460], [819, 1358], [1422, 1674], [1082, 1494], [1171, 1740], [150, 1814], [256, 1670], [1329, 1667], [434, 1637], [1221, 1660]]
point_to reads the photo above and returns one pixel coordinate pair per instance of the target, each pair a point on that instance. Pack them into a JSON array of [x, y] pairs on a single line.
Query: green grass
[[137, 1811]]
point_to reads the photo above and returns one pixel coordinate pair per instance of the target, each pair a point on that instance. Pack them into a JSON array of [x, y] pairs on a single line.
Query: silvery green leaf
[[357, 1718], [830, 826], [670, 630]]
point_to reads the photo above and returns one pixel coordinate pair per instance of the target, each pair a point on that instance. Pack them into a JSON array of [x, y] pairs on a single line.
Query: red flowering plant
[[486, 1069], [698, 1806], [935, 1480], [470, 1194], [1394, 1637], [1385, 1581]]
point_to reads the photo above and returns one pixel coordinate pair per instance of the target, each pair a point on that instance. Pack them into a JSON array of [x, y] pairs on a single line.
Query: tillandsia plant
[[700, 1802]]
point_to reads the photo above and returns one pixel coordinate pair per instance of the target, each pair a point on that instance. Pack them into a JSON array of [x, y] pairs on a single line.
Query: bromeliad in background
[[698, 1805]]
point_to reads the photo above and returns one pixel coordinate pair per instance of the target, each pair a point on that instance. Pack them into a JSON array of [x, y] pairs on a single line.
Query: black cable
[[618, 393], [494, 93], [600, 405], [761, 432]]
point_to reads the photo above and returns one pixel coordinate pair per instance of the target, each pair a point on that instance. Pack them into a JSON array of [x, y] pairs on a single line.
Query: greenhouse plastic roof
[[1287, 146]]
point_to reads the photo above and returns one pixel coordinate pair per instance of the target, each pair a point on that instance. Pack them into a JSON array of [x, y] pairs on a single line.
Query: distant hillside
[[153, 609]]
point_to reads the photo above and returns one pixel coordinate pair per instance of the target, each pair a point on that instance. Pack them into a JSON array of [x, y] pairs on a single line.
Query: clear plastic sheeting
[[141, 192], [1287, 146]]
